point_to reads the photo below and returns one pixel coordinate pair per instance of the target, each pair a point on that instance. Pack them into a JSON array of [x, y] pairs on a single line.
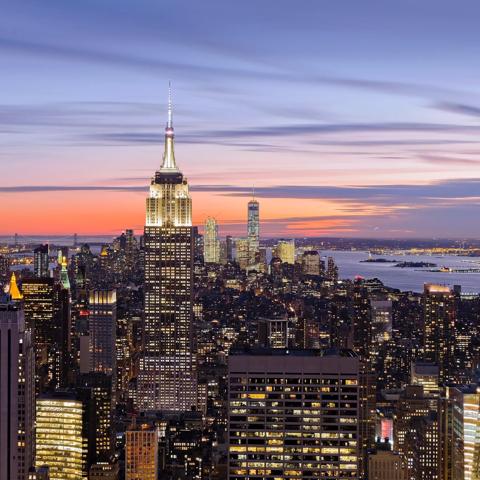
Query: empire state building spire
[[169, 164]]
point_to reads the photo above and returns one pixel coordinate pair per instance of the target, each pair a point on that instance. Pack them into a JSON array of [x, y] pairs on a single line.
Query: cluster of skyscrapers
[[182, 356]]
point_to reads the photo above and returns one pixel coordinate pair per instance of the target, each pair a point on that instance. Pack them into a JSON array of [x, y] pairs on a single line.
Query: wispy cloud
[[386, 195], [443, 160], [460, 108]]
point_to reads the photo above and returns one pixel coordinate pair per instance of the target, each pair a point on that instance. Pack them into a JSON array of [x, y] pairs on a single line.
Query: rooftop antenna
[[169, 124]]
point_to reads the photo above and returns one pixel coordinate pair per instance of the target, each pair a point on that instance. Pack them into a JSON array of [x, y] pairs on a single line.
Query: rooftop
[[278, 352]]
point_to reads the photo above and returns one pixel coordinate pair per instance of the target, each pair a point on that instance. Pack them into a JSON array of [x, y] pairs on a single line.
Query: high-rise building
[[102, 327], [242, 253], [465, 432], [439, 329], [141, 452], [311, 263], [332, 270], [273, 332], [229, 246], [423, 448], [381, 321], [285, 251], [4, 269], [253, 226], [95, 391], [411, 404], [60, 352], [41, 262], [17, 394], [211, 244], [60, 440], [293, 414], [39, 304], [385, 464], [363, 346], [167, 378]]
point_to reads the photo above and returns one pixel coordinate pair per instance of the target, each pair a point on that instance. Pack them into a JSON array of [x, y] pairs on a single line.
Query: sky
[[350, 119]]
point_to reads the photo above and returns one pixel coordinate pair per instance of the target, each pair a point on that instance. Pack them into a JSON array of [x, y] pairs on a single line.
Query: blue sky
[[351, 118]]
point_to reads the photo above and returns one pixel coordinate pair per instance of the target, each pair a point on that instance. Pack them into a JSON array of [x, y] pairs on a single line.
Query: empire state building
[[167, 377]]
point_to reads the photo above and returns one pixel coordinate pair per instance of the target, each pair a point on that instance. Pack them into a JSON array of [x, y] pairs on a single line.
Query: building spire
[[169, 124], [169, 164]]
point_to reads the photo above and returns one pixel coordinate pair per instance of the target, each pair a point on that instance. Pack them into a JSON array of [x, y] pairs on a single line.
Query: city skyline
[[376, 137]]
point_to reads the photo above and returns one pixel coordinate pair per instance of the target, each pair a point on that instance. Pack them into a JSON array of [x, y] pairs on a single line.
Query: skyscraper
[[311, 262], [60, 441], [465, 431], [17, 394], [211, 244], [141, 452], [439, 328], [41, 264], [285, 251], [102, 321], [293, 414], [95, 390], [39, 304], [253, 228], [167, 378]]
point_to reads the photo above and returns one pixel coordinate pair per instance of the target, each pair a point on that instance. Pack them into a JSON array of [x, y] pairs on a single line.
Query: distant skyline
[[354, 119]]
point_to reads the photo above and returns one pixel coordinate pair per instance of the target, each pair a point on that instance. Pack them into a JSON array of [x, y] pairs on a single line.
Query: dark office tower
[[332, 270], [39, 304], [95, 390], [167, 379], [229, 242], [102, 321], [293, 414], [411, 404], [423, 447], [17, 394], [439, 329], [4, 269], [362, 344], [60, 352], [41, 263]]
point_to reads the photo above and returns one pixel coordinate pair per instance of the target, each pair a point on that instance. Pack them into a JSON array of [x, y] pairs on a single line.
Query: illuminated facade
[[211, 244], [293, 414], [102, 321], [253, 225], [311, 263], [17, 390], [167, 378], [439, 329], [60, 443], [141, 452], [242, 253], [465, 434], [285, 251]]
